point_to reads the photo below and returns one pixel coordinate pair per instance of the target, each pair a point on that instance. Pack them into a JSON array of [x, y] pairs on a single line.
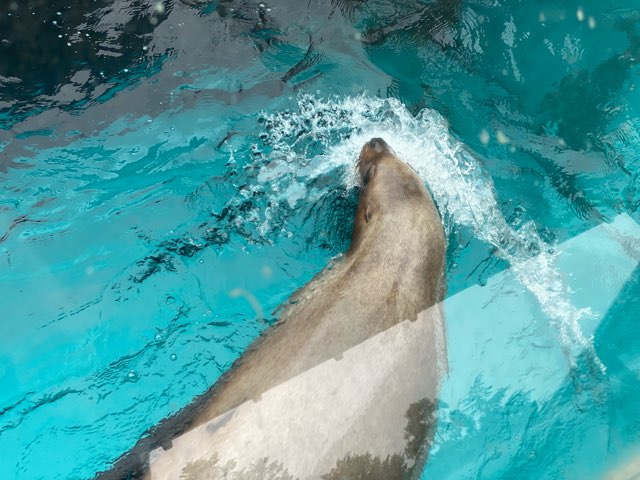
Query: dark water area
[[61, 54]]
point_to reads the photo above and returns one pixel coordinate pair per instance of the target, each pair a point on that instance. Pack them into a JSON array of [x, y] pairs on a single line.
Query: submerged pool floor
[[172, 172]]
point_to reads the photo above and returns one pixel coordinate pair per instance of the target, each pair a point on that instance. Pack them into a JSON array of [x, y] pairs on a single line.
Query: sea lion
[[345, 384]]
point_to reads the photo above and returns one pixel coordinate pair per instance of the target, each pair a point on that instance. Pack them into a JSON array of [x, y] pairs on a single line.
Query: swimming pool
[[173, 171]]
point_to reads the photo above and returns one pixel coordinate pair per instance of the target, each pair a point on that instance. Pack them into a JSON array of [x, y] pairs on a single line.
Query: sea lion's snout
[[378, 145], [371, 151]]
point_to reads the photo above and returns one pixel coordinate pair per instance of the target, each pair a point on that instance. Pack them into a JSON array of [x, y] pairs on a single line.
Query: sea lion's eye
[[368, 174]]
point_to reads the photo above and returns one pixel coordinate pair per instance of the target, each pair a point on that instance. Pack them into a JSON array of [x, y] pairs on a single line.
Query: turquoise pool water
[[172, 172]]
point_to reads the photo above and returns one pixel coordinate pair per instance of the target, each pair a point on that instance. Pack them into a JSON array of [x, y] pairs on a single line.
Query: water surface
[[166, 165]]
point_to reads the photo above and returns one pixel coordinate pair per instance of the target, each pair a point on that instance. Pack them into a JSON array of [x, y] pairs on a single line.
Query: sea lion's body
[[392, 273]]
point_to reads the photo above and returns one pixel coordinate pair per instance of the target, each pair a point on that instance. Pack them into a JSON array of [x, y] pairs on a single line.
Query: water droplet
[[59, 36], [145, 48], [55, 22], [201, 261], [132, 376], [501, 137], [173, 357], [580, 14], [68, 44], [484, 136], [58, 13], [533, 248]]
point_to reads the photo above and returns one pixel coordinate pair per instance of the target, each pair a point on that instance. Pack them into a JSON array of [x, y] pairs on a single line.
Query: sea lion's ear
[[367, 213], [368, 175]]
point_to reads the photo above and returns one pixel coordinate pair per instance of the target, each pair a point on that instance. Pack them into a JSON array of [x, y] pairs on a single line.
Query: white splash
[[323, 135]]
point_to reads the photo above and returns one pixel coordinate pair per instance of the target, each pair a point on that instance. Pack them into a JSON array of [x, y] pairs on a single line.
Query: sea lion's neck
[[400, 248]]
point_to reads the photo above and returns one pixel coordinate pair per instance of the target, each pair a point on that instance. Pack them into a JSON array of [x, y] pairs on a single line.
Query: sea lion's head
[[372, 152], [391, 194], [388, 183]]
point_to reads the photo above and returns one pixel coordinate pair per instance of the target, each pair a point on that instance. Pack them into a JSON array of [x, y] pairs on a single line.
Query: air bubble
[[132, 376], [501, 137], [484, 136], [173, 357]]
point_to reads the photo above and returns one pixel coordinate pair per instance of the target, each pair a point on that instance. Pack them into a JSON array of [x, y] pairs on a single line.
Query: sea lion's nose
[[378, 145]]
